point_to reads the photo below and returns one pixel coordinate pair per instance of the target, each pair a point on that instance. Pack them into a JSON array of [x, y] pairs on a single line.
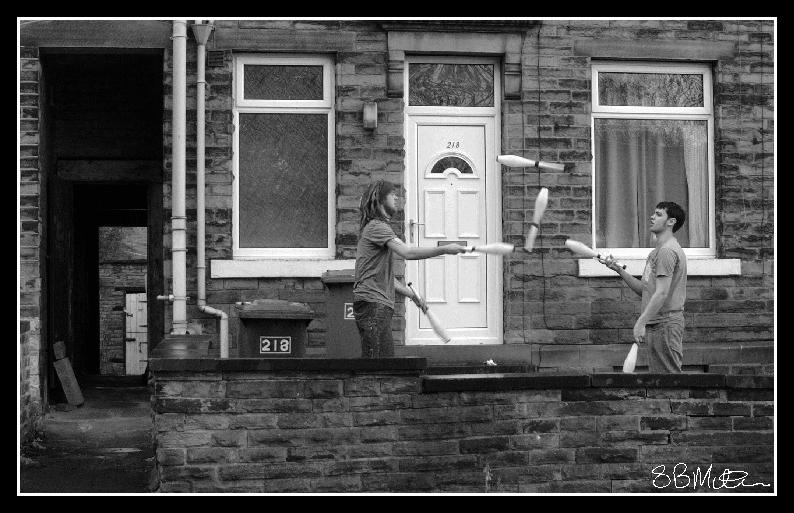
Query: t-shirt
[[374, 279], [667, 260]]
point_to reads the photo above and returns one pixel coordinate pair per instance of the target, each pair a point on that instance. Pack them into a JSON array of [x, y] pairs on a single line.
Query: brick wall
[[545, 302], [346, 431], [30, 240], [115, 279]]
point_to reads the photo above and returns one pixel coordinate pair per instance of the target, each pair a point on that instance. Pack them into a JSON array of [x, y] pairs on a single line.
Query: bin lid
[[274, 309], [339, 276]]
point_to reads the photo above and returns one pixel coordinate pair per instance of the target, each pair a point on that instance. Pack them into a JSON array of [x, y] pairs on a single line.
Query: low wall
[[316, 425]]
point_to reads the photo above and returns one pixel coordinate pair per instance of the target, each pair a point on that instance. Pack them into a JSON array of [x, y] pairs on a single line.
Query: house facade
[[299, 117]]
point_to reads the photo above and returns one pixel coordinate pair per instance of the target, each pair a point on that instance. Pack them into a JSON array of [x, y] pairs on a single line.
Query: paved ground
[[103, 446]]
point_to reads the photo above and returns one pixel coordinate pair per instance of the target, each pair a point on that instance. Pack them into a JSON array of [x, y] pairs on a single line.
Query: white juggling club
[[515, 161], [540, 207], [582, 249], [434, 322], [631, 359], [496, 248]]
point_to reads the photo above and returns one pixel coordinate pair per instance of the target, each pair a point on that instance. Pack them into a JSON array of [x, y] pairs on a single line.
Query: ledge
[[276, 268], [736, 381], [589, 267], [695, 380], [497, 382], [656, 50], [287, 364]]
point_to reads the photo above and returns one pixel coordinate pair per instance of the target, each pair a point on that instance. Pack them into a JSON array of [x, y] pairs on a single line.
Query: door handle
[[411, 224]]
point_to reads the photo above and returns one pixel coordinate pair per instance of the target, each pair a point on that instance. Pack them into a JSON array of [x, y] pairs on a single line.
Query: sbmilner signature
[[680, 479]]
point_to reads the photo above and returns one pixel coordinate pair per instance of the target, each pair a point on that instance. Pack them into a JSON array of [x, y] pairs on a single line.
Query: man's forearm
[[633, 283]]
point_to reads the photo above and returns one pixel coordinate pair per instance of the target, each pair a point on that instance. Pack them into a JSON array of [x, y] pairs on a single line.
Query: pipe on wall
[[178, 220], [201, 32]]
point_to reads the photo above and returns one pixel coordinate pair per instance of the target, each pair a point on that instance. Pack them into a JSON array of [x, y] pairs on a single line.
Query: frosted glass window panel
[[640, 162], [283, 191], [650, 89], [119, 243], [275, 82], [451, 85]]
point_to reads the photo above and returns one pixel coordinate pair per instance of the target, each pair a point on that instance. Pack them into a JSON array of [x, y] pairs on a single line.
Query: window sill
[[277, 268], [591, 268]]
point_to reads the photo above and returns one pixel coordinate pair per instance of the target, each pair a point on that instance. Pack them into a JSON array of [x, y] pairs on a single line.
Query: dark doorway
[[104, 167]]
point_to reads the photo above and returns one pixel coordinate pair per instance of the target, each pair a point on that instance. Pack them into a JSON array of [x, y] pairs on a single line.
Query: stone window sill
[[276, 268], [590, 268]]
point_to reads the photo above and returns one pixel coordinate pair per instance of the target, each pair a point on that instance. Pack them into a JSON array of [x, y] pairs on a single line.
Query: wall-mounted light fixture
[[370, 115]]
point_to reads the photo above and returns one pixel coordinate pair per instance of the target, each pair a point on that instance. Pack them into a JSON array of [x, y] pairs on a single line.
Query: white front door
[[454, 197]]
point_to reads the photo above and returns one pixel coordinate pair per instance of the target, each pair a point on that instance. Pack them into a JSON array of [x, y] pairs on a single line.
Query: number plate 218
[[282, 345]]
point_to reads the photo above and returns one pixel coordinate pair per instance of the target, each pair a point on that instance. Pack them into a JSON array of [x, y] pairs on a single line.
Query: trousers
[[665, 345], [373, 321]]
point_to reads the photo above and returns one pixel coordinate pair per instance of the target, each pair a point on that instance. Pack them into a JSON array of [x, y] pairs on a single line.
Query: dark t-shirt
[[667, 260], [374, 280]]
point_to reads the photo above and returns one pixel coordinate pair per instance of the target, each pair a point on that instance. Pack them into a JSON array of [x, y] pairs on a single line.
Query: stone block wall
[[30, 242], [232, 428]]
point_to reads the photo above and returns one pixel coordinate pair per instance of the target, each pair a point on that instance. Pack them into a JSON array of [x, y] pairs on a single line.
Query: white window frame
[[324, 106], [705, 113]]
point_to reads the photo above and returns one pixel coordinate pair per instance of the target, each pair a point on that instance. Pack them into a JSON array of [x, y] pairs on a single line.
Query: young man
[[663, 291], [375, 284]]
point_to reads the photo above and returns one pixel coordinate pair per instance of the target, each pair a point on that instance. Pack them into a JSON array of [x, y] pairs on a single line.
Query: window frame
[[324, 106], [705, 113]]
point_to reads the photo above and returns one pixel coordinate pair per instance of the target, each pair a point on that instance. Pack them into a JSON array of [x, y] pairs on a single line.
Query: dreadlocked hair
[[372, 200]]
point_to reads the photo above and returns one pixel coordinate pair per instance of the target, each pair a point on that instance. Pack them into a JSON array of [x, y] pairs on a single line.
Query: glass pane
[[118, 243], [283, 82], [641, 162], [650, 89], [458, 85], [283, 180], [452, 162]]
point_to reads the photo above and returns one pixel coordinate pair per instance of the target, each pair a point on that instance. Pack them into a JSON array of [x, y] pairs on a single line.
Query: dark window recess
[[283, 180], [274, 82]]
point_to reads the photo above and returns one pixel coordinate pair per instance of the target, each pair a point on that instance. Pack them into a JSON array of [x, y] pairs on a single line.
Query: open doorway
[[103, 194]]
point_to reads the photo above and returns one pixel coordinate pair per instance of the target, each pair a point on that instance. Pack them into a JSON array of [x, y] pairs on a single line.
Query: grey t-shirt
[[374, 279], [667, 260]]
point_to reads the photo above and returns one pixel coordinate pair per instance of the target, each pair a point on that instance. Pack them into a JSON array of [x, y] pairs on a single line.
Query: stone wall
[[30, 244], [354, 426]]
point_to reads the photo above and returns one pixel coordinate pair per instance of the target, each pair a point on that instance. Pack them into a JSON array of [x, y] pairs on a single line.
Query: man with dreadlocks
[[375, 283]]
